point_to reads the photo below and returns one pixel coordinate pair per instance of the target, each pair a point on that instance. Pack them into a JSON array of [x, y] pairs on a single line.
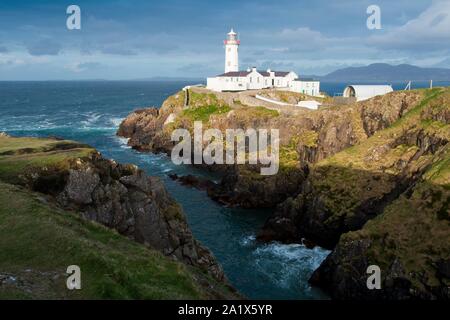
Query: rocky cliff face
[[344, 191], [369, 180], [121, 197], [392, 191], [305, 137]]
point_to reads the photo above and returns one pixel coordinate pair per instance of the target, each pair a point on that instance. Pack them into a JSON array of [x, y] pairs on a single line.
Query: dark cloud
[[117, 50], [44, 47]]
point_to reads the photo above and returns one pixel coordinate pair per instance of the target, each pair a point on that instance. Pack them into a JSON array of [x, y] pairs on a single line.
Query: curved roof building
[[364, 92]]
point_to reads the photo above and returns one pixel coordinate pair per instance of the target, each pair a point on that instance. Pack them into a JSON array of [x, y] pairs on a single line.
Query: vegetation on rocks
[[392, 190], [363, 179], [203, 113], [56, 194]]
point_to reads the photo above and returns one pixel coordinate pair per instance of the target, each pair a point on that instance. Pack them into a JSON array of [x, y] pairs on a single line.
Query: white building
[[253, 79], [231, 52], [364, 92], [310, 87]]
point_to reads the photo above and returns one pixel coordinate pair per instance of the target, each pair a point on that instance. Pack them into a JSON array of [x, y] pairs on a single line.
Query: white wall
[[226, 84], [255, 80], [364, 92], [311, 88], [231, 57]]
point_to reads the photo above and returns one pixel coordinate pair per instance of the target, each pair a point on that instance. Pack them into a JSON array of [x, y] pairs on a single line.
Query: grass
[[204, 112], [356, 155], [368, 171], [197, 99], [263, 112], [19, 155], [414, 231], [37, 240]]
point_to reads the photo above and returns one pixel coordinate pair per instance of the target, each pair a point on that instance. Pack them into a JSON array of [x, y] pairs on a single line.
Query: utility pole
[[408, 86]]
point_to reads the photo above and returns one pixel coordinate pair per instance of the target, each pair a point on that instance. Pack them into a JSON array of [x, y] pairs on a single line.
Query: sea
[[91, 111]]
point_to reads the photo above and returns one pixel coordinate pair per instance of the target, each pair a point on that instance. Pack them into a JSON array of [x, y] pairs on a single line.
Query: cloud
[[117, 50], [430, 31], [44, 47], [11, 62], [443, 63], [3, 49], [83, 66]]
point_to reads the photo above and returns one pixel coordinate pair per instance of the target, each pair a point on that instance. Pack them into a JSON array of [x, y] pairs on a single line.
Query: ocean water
[[90, 112]]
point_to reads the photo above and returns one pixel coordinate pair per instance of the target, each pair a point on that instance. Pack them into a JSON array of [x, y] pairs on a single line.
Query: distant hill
[[387, 72], [170, 79]]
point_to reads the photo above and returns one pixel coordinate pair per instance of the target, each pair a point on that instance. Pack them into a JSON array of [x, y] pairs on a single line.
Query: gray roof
[[281, 73], [234, 74], [245, 73]]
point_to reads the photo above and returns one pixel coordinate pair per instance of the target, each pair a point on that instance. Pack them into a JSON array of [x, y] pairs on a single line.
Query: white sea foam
[[123, 142], [248, 240], [91, 118], [115, 121], [288, 265]]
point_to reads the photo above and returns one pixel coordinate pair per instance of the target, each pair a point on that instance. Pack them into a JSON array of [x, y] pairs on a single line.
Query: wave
[[288, 265], [247, 240], [123, 142], [115, 121], [92, 117]]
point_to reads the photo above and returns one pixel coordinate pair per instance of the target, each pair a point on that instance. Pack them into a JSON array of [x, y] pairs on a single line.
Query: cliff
[[392, 191], [368, 180], [305, 136], [57, 182]]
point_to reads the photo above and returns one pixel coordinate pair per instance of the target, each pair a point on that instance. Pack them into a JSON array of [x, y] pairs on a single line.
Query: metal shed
[[364, 92]]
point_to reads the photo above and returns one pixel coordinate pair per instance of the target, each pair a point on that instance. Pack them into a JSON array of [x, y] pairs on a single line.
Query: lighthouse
[[231, 52]]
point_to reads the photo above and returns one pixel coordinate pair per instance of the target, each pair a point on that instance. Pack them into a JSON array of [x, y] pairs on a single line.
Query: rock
[[3, 134], [193, 181], [317, 135], [80, 185], [170, 119], [344, 170], [124, 198]]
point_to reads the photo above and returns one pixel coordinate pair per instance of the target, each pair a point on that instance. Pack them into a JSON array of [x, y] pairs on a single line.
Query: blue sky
[[122, 39]]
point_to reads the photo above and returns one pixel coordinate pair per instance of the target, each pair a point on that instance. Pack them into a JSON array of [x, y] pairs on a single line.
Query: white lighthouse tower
[[231, 52]]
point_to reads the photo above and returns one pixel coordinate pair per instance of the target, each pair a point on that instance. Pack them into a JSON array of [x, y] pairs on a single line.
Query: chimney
[[253, 68]]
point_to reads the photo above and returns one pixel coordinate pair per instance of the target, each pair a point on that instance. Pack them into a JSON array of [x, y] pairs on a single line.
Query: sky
[[136, 39]]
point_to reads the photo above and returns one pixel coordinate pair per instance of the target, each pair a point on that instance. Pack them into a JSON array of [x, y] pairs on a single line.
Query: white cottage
[[253, 79], [310, 87]]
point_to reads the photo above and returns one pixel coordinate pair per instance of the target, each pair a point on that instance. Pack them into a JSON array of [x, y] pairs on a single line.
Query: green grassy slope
[[38, 241]]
